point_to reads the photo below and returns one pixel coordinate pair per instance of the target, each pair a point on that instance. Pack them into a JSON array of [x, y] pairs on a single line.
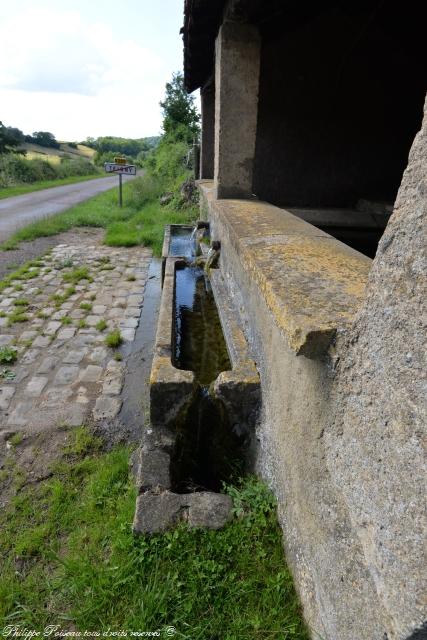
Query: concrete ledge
[[311, 283]]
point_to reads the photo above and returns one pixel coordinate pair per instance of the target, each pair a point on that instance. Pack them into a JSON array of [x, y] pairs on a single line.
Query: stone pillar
[[207, 147], [237, 61]]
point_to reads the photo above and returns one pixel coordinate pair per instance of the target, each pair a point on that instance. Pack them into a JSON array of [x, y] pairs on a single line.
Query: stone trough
[[164, 457]]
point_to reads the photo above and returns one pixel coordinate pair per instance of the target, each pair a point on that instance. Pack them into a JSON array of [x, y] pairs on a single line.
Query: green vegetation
[[27, 271], [86, 306], [74, 276], [16, 439], [66, 320], [114, 339], [59, 299], [16, 170], [46, 163], [101, 325], [108, 147], [17, 316], [21, 302], [68, 557], [8, 355], [142, 219], [82, 324]]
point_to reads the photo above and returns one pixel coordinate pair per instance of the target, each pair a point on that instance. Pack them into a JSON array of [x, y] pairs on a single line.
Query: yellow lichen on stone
[[311, 283]]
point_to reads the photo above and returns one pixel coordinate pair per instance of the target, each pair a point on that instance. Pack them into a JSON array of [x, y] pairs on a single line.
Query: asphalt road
[[18, 211]]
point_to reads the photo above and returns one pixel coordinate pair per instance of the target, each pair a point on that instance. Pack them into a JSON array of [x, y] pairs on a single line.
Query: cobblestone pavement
[[57, 321]]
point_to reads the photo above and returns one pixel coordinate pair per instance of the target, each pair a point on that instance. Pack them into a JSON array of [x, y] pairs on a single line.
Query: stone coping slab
[[311, 283]]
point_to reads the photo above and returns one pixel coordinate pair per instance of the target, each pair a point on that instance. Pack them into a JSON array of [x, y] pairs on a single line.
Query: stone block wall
[[341, 429]]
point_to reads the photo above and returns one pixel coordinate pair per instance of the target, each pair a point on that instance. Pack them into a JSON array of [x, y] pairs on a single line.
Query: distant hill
[[55, 155]]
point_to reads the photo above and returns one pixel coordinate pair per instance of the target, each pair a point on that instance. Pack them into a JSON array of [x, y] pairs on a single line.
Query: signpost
[[121, 167]]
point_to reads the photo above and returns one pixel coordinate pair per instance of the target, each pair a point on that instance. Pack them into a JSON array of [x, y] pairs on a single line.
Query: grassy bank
[[140, 221], [18, 190], [69, 558]]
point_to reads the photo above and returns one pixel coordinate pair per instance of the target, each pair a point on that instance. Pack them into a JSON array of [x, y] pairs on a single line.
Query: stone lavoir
[[200, 428], [309, 113]]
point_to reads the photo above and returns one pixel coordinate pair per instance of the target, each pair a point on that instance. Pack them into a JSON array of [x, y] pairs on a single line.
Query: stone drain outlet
[[204, 402]]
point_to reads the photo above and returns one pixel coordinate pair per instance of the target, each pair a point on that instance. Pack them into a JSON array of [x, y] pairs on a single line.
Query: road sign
[[120, 160], [120, 169], [115, 167]]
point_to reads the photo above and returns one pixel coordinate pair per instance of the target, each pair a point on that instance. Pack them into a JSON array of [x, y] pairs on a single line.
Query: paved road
[[18, 211]]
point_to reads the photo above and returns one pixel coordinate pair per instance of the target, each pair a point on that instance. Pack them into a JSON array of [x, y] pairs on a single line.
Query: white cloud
[[75, 78]]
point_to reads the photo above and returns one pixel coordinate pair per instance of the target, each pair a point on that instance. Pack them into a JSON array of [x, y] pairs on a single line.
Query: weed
[[86, 306], [80, 273], [92, 296], [66, 320], [8, 355], [114, 339], [83, 442], [117, 356], [101, 325], [3, 314], [21, 302], [17, 316], [7, 374], [131, 278], [82, 324], [58, 299], [18, 287], [16, 439]]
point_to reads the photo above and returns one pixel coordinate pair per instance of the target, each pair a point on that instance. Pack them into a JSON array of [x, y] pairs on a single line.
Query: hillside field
[[54, 155]]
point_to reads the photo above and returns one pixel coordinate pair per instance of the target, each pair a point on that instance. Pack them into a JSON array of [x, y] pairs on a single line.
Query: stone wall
[[375, 443], [340, 435]]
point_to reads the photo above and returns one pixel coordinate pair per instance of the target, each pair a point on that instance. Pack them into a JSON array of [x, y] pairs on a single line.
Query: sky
[[80, 68]]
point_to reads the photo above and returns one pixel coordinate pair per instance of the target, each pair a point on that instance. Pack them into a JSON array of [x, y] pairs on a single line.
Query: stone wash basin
[[163, 498]]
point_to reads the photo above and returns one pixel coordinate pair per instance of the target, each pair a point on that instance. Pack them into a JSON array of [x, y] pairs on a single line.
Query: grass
[[69, 557], [16, 439], [86, 306], [27, 271], [125, 227], [17, 316], [59, 299], [114, 339], [18, 190], [8, 355], [101, 325], [77, 274]]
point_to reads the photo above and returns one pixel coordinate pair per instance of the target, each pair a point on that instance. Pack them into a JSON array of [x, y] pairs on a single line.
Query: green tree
[[45, 139], [180, 117], [10, 139]]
